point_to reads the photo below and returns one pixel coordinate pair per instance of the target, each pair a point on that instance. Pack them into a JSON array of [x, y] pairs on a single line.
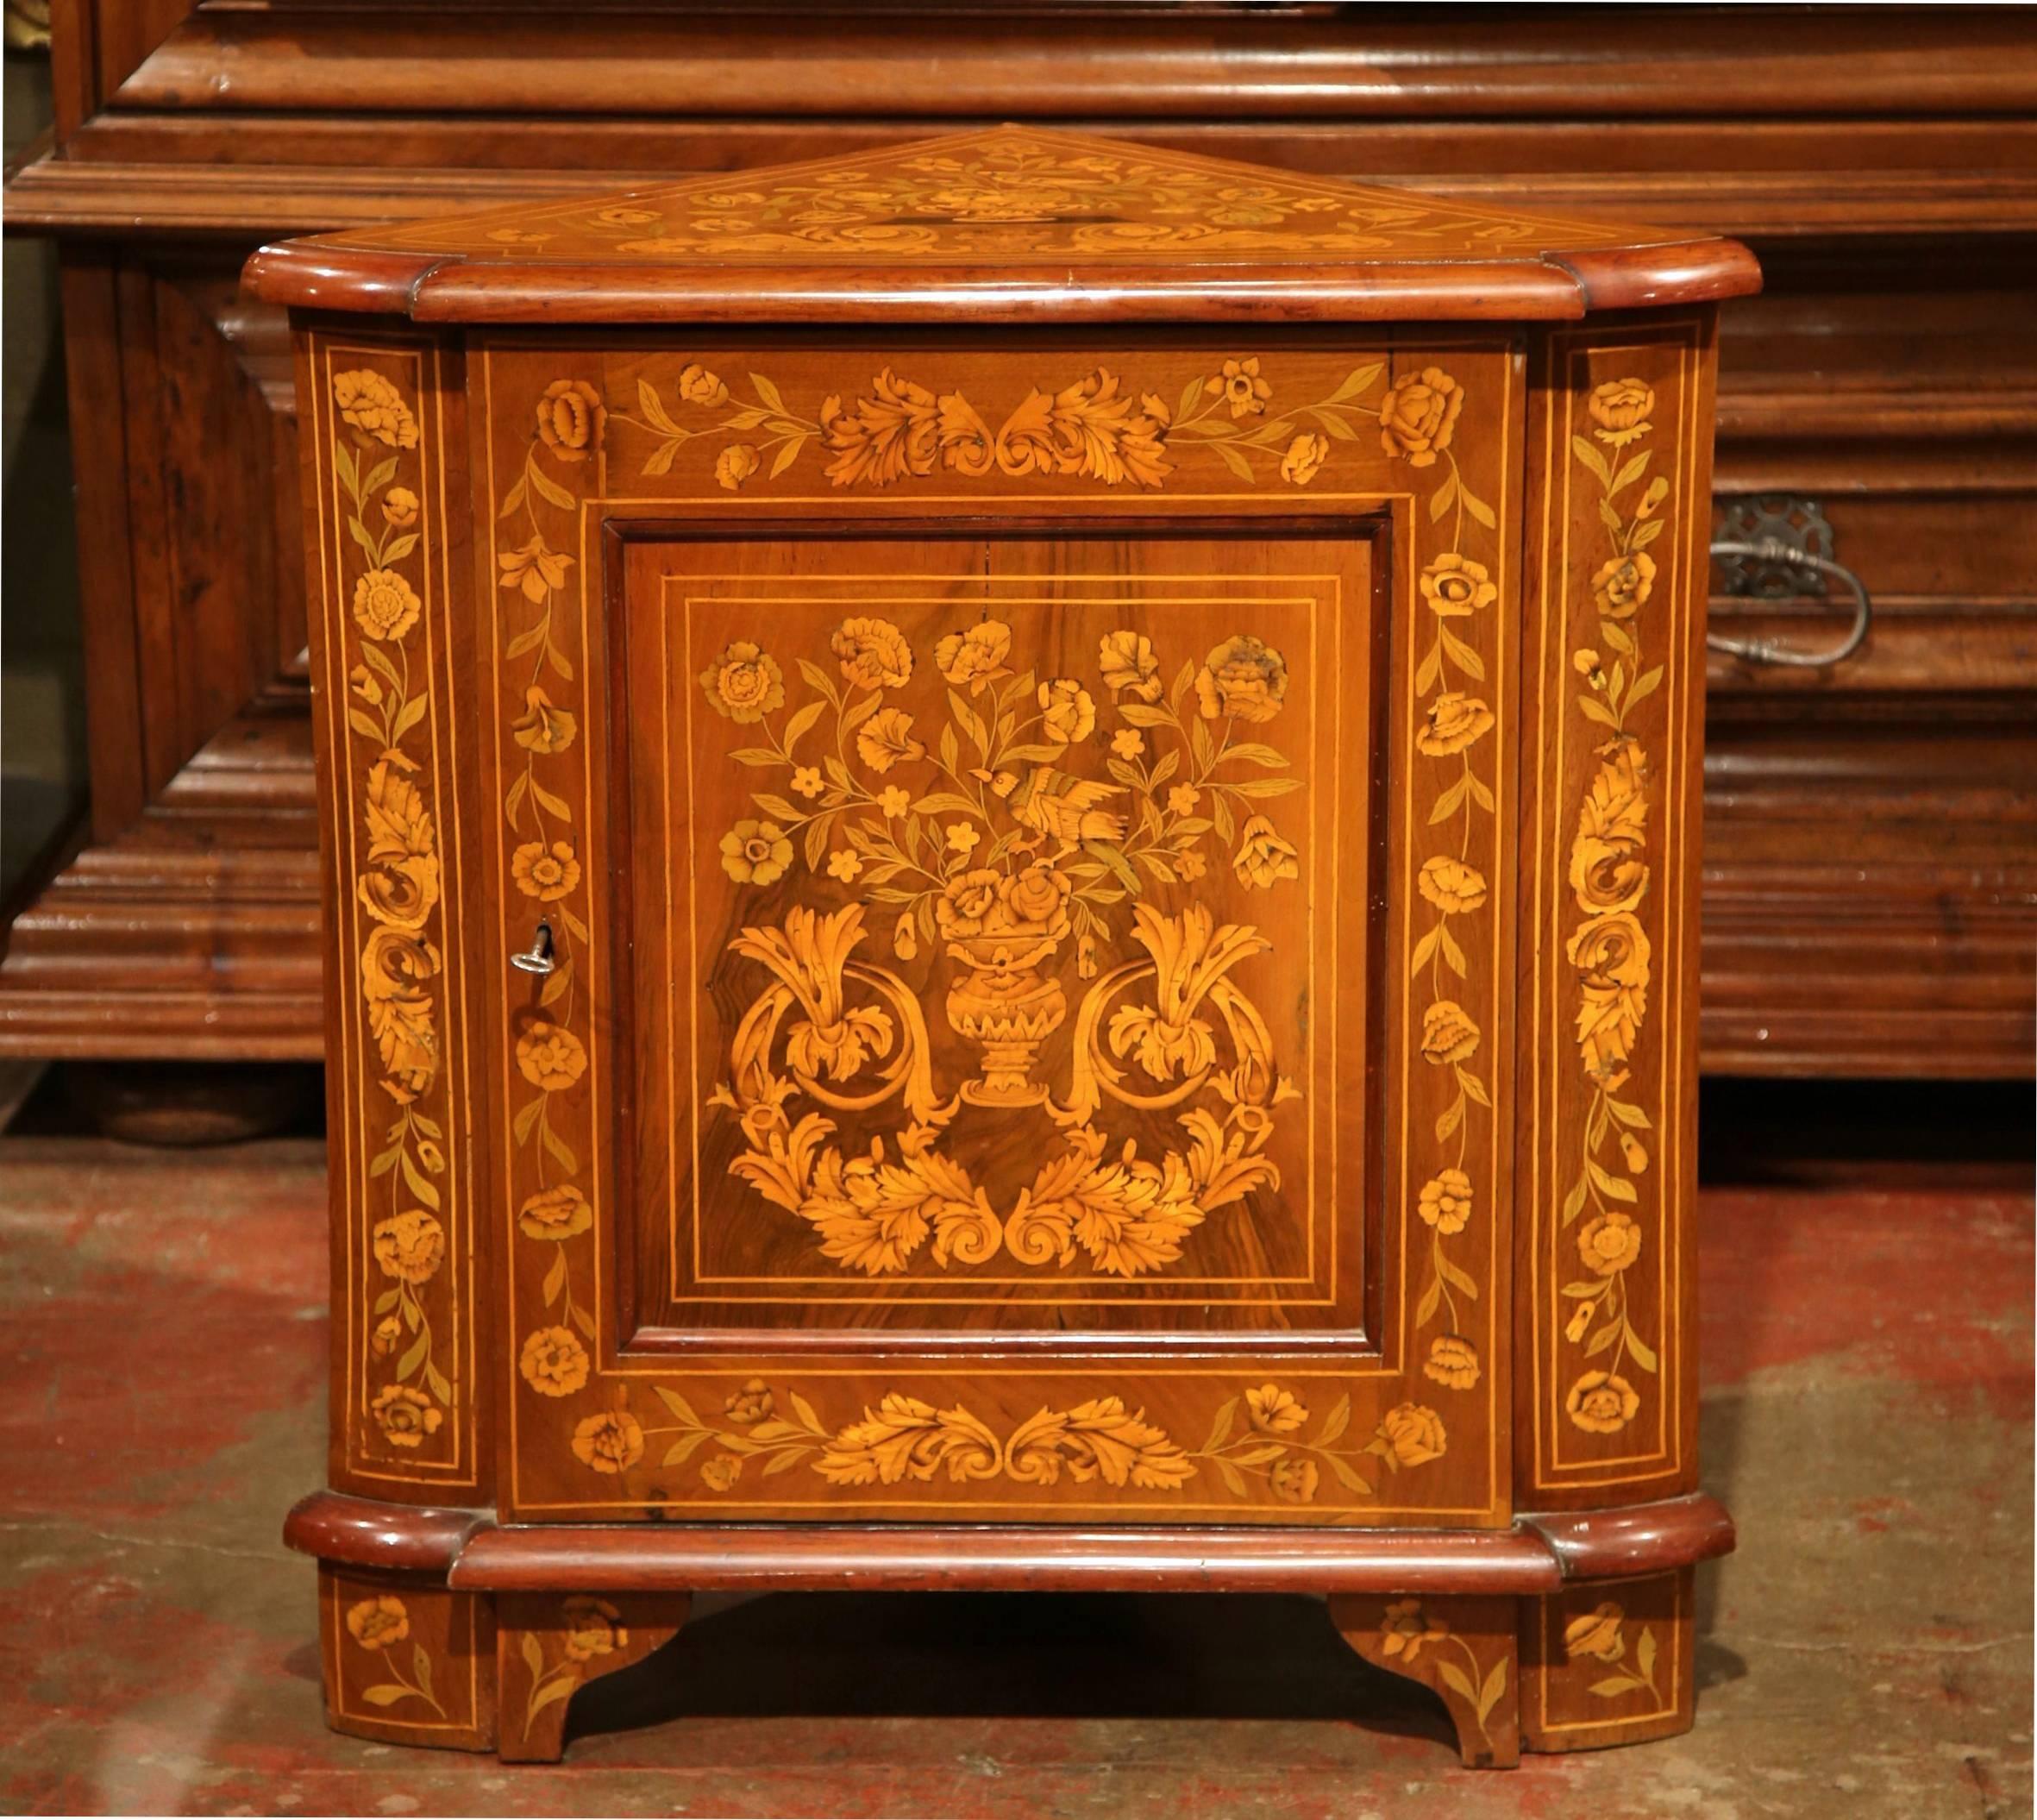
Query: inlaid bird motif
[[1058, 807], [1054, 807]]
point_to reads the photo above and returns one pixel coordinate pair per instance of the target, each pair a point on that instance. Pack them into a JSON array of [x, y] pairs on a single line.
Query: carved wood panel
[[189, 926], [207, 518]]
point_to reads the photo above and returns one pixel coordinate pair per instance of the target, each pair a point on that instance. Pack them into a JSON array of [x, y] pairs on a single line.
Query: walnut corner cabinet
[[1011, 835]]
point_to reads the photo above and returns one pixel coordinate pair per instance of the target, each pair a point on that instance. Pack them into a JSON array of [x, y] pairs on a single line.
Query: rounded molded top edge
[[1010, 224], [1563, 286]]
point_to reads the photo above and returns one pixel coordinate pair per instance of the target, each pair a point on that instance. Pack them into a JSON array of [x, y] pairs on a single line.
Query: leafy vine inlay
[[1094, 428], [904, 1439], [1418, 419], [1608, 879], [549, 1046], [399, 888]]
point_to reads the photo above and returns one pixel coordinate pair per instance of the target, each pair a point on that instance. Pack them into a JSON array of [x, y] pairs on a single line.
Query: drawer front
[[1020, 839]]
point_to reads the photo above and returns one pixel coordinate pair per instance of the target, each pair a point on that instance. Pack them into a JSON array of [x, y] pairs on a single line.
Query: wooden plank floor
[[1867, 1416]]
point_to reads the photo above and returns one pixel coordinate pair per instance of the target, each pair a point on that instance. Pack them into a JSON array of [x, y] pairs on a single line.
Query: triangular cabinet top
[[1009, 225]]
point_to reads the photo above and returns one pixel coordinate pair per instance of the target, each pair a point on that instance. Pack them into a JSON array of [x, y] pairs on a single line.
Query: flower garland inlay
[[1608, 880], [906, 1440], [1418, 419], [544, 866], [399, 888], [1092, 429]]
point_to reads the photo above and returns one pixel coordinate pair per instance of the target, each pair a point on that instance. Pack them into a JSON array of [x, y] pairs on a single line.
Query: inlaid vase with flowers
[[1005, 928]]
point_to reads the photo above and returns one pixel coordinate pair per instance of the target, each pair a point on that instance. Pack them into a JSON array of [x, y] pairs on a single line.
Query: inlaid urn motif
[[1007, 930]]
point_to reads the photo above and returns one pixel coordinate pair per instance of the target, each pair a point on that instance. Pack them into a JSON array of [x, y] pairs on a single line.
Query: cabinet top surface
[[1009, 225]]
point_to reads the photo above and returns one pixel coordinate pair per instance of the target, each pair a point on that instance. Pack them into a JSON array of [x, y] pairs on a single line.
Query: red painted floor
[[1868, 1403]]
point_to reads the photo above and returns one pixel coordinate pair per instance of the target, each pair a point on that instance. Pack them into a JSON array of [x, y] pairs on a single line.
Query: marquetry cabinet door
[[1018, 838]]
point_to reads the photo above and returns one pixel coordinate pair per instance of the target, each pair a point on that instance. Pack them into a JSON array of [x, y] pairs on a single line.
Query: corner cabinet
[[1010, 833]]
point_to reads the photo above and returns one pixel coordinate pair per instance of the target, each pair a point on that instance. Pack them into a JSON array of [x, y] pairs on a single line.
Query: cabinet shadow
[[1007, 1655]]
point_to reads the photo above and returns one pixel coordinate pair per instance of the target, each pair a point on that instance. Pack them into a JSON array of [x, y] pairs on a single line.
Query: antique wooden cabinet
[[1011, 838]]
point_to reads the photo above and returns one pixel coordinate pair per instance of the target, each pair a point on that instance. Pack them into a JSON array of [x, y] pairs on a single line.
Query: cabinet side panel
[[1619, 455], [313, 479], [380, 412]]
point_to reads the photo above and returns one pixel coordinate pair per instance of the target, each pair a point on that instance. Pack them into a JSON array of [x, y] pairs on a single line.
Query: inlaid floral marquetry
[[1011, 193], [1610, 1660], [966, 848], [1098, 427], [400, 891], [1608, 879], [407, 1661], [1104, 427], [988, 901], [1463, 1648], [1010, 831], [1263, 1441], [1617, 695], [380, 1626], [999, 841], [386, 639], [549, 1646]]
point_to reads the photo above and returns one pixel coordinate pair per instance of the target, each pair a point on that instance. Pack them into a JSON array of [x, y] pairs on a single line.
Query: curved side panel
[[384, 452], [1620, 469]]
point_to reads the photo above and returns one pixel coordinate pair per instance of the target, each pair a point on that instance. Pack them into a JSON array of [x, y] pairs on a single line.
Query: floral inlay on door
[[1010, 905], [974, 841]]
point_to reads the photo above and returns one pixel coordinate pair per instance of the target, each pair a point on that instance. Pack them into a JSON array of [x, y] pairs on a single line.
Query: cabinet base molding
[[1561, 1632]]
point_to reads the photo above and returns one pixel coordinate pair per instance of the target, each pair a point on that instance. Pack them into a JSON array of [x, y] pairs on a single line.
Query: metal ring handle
[[538, 958], [1766, 651]]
